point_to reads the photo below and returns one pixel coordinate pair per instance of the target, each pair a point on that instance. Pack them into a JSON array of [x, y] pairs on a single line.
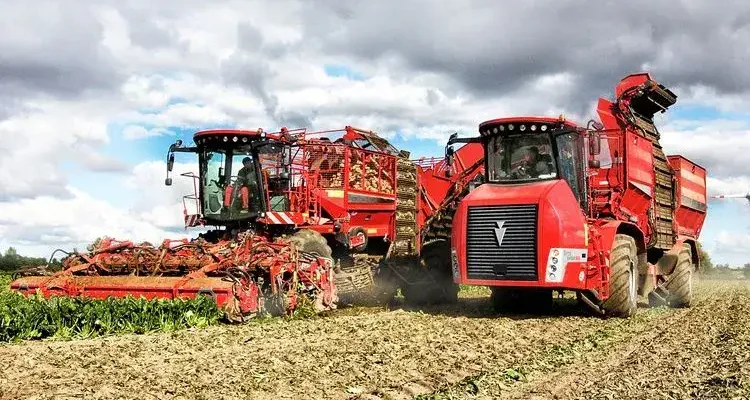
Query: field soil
[[462, 351]]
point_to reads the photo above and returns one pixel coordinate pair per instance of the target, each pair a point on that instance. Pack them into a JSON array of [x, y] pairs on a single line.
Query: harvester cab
[[242, 175], [599, 210]]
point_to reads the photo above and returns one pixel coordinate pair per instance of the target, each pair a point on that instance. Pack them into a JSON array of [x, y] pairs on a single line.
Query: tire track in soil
[[701, 352], [394, 354], [505, 379], [731, 366]]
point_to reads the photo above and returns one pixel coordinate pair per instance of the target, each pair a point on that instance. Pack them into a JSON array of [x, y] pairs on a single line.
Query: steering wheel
[[232, 181], [520, 171]]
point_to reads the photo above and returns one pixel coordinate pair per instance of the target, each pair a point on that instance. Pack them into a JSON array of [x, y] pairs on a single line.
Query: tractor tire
[[311, 241], [435, 260], [680, 283], [623, 280]]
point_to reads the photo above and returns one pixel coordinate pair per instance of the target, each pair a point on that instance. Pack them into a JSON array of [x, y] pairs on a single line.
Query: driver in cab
[[245, 178], [533, 164]]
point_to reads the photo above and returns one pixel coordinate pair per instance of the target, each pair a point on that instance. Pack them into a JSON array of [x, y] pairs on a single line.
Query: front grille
[[515, 258]]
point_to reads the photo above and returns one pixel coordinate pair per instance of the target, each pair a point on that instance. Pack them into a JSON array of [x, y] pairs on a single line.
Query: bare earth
[[463, 351]]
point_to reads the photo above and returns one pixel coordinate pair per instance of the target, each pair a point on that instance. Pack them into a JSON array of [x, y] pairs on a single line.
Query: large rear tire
[[623, 280], [438, 286], [311, 241], [680, 283]]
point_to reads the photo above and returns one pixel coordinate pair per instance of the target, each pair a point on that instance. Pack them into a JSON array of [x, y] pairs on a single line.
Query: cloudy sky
[[92, 93]]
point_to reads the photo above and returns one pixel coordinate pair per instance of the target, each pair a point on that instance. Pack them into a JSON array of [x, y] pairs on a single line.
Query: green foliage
[[35, 317], [305, 309], [706, 265], [11, 260], [4, 282]]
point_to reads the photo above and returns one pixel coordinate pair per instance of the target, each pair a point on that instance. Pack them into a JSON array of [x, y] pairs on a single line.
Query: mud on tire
[[623, 280], [311, 241], [680, 282], [437, 286]]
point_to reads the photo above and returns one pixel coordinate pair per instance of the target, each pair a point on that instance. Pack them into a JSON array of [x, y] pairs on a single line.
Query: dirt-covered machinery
[[599, 210], [293, 213]]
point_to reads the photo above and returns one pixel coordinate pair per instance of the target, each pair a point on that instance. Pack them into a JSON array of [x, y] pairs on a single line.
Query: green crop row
[[35, 317], [4, 282]]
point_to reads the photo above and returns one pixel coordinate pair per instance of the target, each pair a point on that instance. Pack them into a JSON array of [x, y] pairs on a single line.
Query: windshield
[[520, 157], [233, 194]]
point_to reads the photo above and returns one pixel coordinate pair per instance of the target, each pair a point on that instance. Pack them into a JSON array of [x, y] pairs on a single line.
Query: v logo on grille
[[499, 232]]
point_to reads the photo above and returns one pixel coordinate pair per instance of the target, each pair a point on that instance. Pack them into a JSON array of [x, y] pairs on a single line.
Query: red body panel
[[691, 195], [334, 183], [101, 287], [435, 184], [560, 225]]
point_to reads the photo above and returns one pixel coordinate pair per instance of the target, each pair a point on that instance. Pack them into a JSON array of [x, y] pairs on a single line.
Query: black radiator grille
[[515, 258]]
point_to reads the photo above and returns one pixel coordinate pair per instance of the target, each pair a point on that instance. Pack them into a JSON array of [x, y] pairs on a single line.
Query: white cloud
[[40, 224], [43, 223], [147, 179], [732, 185], [721, 146], [732, 243], [140, 132], [36, 143]]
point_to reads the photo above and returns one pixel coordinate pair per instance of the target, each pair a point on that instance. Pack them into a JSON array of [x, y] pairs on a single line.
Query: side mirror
[[449, 155], [595, 144], [594, 164], [170, 162], [168, 182], [452, 137], [284, 175]]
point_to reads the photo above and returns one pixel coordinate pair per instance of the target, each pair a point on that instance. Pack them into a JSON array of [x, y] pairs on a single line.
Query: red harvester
[[598, 210], [294, 213]]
